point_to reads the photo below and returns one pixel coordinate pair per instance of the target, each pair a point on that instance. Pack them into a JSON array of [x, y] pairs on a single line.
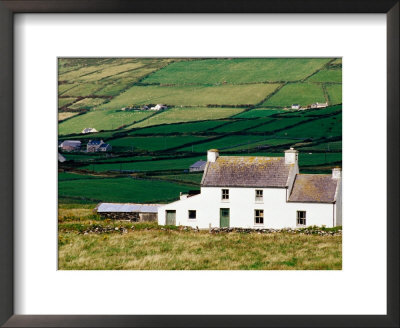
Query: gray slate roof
[[198, 164], [95, 142], [73, 143], [117, 207], [247, 171], [318, 188]]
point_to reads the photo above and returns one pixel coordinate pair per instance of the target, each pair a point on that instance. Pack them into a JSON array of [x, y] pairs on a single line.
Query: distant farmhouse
[[61, 158], [319, 105], [199, 166], [89, 130], [129, 211], [105, 147], [258, 192], [158, 107], [97, 145], [70, 145], [296, 106]]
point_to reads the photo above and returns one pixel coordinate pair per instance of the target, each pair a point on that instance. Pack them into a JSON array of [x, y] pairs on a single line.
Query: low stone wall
[[130, 216]]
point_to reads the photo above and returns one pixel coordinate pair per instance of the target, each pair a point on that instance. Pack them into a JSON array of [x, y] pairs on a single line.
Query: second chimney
[[212, 155]]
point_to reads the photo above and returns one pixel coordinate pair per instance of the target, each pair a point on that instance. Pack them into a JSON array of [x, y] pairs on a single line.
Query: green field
[[235, 105], [179, 128], [154, 143], [263, 143], [87, 103], [241, 125], [240, 70], [124, 189], [328, 75], [147, 166], [335, 93], [325, 127], [224, 143], [192, 95], [297, 93], [259, 112], [101, 120], [187, 177], [175, 115], [65, 101]]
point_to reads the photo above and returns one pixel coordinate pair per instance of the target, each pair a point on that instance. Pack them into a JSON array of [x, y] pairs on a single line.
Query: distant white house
[[296, 106], [319, 105], [105, 147], [89, 130], [199, 166], [258, 192], [61, 158], [70, 145], [158, 107], [98, 145]]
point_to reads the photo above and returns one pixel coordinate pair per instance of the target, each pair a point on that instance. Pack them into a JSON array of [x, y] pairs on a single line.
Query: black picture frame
[[7, 201]]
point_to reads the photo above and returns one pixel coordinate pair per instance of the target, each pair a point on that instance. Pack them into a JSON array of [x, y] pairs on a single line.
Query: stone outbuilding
[[128, 211]]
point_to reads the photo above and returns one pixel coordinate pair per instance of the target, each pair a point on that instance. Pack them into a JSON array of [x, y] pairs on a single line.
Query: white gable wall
[[277, 212]]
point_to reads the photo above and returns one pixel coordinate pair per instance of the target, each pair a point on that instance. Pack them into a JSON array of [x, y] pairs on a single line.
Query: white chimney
[[291, 156], [336, 173], [212, 155]]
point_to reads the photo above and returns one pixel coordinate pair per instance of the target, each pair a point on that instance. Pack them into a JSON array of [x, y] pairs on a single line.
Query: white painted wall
[[278, 213]]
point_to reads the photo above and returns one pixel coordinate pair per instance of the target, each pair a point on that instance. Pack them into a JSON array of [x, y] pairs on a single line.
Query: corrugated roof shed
[[72, 143], [198, 164], [317, 188], [128, 207], [247, 171]]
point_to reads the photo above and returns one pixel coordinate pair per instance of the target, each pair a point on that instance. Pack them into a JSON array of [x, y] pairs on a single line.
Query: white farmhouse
[[89, 130], [258, 192], [158, 107]]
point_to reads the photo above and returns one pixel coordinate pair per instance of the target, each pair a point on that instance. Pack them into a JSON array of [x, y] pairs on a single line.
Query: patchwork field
[[328, 75], [176, 115], [240, 106], [239, 70], [192, 95], [235, 105], [297, 93], [154, 143], [123, 189], [101, 120]]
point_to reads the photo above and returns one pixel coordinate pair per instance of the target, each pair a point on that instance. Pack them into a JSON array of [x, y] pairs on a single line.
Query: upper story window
[[192, 214], [259, 216], [259, 195], [225, 194], [301, 218]]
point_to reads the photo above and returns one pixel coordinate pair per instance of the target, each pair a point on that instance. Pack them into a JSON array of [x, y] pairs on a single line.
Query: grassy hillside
[[147, 247], [235, 105]]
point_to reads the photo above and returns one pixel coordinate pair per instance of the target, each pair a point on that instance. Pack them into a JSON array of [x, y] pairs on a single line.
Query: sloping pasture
[[238, 70], [296, 93], [176, 115], [192, 95], [100, 120]]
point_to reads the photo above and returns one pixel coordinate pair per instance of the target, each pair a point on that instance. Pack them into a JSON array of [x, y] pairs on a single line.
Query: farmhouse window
[[259, 216], [225, 194], [259, 195], [301, 217], [192, 214]]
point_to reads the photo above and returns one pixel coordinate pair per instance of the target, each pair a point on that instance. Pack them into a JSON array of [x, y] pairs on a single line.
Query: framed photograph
[[202, 164]]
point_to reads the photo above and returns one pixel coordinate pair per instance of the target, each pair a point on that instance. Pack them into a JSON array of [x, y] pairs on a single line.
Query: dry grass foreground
[[189, 250]]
